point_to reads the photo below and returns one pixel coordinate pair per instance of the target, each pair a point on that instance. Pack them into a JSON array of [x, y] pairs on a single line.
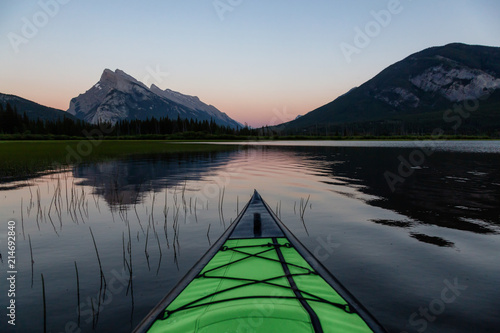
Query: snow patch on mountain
[[456, 84], [398, 97], [113, 109]]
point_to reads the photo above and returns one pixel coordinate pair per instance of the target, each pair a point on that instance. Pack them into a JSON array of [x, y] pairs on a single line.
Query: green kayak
[[258, 277]]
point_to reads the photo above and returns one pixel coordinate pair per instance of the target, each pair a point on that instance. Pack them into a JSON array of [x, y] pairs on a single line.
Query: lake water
[[410, 228]]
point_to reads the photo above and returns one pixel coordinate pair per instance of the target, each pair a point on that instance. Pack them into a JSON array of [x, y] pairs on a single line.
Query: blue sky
[[261, 62]]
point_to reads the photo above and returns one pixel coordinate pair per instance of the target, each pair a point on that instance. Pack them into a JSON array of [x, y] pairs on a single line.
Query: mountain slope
[[118, 96], [33, 110], [194, 103], [419, 89]]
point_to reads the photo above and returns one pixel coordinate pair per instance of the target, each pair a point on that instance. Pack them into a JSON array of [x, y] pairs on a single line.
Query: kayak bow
[[258, 277]]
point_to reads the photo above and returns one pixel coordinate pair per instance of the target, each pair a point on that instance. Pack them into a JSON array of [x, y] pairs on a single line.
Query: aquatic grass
[[130, 265], [303, 206], [161, 255], [32, 261], [302, 210], [22, 218], [195, 214], [44, 305], [220, 205], [208, 234], [78, 293], [67, 199], [102, 292]]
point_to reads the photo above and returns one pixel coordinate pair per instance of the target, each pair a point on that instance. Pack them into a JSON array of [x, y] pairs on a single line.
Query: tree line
[[13, 122], [17, 125]]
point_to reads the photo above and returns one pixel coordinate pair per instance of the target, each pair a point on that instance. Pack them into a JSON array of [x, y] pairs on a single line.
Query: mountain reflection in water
[[452, 190]]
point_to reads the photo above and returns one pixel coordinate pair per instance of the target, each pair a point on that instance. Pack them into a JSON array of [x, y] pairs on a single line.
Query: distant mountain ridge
[[118, 96], [419, 90], [33, 110]]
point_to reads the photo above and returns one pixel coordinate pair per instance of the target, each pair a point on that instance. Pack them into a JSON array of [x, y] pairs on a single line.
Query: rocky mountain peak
[[118, 80], [119, 96]]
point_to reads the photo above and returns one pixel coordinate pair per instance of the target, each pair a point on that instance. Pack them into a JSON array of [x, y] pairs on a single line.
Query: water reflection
[[125, 181], [452, 190], [439, 241]]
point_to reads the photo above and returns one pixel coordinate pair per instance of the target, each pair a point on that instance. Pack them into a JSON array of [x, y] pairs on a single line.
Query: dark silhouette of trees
[[12, 122]]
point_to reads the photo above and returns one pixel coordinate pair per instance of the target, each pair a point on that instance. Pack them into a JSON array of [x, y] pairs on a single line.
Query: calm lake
[[412, 229]]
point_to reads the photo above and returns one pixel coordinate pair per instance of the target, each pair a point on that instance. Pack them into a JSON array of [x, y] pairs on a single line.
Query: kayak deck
[[257, 278]]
